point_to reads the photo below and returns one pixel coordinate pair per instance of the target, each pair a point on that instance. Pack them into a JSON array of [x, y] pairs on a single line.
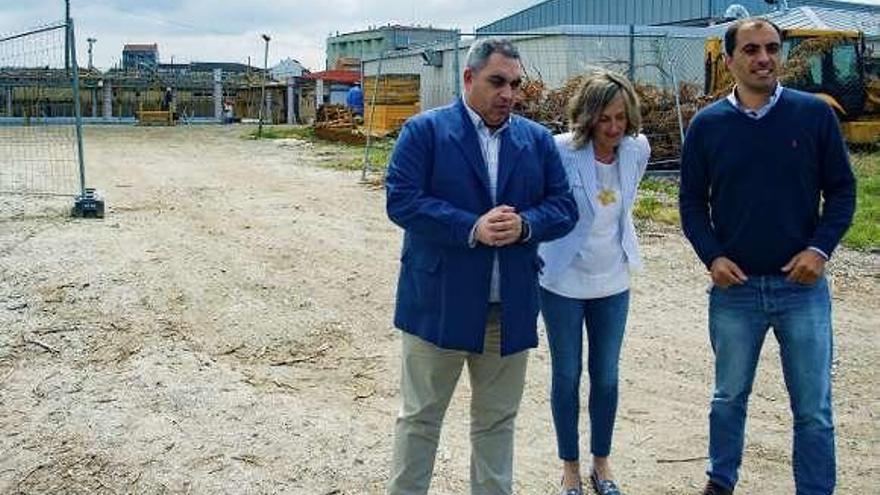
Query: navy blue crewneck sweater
[[760, 191]]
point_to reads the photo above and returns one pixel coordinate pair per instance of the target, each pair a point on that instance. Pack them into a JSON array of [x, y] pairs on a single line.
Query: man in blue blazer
[[475, 190]]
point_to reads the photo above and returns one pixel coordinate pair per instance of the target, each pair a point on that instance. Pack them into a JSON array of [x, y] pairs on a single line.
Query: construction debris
[[335, 122], [660, 118], [334, 115]]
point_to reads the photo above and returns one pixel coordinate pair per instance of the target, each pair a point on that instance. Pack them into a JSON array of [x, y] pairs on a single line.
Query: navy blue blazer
[[437, 187]]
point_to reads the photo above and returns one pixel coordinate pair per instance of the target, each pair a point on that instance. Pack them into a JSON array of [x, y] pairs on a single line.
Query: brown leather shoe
[[713, 488]]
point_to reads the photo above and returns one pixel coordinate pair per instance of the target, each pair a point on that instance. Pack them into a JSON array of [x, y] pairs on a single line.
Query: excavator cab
[[829, 64]]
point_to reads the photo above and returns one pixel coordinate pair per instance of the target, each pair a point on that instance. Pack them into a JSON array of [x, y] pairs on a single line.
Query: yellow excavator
[[833, 65]]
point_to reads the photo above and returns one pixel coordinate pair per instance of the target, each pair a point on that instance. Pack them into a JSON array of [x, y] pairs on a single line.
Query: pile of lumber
[[334, 115], [335, 122]]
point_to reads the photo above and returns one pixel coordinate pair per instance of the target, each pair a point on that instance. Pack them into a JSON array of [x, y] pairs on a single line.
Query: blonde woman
[[585, 282]]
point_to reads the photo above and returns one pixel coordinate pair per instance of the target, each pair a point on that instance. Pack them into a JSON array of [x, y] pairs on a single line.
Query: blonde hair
[[596, 92]]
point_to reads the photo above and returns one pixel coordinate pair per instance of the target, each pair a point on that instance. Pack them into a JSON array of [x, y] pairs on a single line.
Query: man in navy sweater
[[755, 169]]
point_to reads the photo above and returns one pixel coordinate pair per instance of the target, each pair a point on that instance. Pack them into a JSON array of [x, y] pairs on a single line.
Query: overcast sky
[[229, 31]]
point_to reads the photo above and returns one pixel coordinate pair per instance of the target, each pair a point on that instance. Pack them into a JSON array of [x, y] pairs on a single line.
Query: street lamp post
[[263, 89]]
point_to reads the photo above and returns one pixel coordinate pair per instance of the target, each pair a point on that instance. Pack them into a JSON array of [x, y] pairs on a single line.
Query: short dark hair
[[480, 51], [730, 34]]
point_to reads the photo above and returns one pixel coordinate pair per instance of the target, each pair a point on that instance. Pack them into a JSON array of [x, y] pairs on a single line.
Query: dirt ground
[[227, 329]]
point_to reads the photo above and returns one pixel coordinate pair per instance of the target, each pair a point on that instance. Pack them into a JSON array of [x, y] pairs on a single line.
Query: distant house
[[345, 51], [287, 69], [140, 57]]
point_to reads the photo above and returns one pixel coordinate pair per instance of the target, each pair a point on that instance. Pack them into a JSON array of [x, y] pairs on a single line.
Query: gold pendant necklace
[[607, 196]]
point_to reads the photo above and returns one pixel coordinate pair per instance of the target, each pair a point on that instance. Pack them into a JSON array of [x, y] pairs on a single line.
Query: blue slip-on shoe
[[603, 487]]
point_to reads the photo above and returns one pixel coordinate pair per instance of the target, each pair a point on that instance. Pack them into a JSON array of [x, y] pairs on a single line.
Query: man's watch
[[526, 231]]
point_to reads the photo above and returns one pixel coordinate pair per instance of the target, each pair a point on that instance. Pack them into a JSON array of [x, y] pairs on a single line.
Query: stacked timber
[[334, 115], [336, 123], [389, 101]]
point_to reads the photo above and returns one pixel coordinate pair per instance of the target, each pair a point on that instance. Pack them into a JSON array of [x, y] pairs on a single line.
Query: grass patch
[[380, 153], [303, 132], [349, 157], [666, 187], [864, 233], [658, 201]]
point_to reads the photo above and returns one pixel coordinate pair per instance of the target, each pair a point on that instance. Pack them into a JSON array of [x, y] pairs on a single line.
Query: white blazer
[[632, 155]]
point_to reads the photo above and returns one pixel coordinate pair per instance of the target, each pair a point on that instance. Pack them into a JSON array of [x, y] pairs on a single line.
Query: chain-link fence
[[676, 71], [196, 95], [665, 63], [40, 89], [40, 135]]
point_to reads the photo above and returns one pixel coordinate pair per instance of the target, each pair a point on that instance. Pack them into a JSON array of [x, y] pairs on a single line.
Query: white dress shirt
[[490, 145]]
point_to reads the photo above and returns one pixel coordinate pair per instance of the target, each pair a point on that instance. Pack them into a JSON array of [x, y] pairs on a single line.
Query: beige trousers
[[428, 378]]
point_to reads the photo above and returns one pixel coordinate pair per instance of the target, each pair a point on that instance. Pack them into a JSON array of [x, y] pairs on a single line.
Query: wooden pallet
[[155, 117]]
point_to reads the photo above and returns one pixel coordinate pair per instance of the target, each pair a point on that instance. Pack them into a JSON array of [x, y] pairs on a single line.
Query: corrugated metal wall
[[638, 12]]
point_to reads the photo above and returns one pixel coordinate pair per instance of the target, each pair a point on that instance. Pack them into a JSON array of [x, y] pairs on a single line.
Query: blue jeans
[[605, 319], [800, 315]]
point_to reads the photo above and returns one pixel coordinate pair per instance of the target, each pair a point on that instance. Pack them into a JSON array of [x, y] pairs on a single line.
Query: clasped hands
[[499, 226], [804, 268]]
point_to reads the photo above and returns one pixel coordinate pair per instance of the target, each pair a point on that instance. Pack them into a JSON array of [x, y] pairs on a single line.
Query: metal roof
[[131, 47], [828, 18], [342, 76], [650, 12]]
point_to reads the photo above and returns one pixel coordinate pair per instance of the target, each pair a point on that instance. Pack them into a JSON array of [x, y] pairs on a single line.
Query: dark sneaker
[[603, 487], [713, 488]]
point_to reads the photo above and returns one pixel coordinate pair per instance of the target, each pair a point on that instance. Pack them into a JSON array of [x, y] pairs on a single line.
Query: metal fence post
[[77, 110], [263, 104], [631, 73], [675, 90], [68, 27], [367, 164]]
